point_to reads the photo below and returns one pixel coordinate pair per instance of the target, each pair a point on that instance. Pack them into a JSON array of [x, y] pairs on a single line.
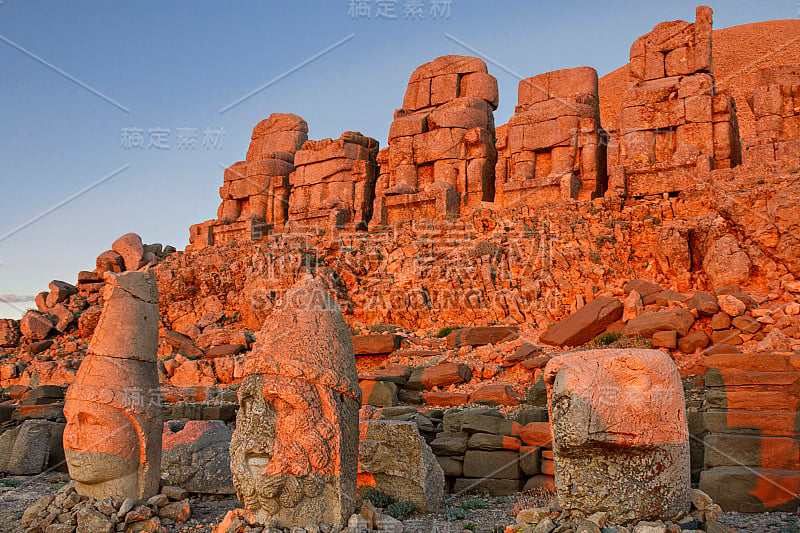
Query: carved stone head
[[112, 441], [294, 453]]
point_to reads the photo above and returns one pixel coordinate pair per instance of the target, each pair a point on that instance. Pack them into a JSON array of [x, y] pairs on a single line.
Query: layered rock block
[[776, 108], [620, 434], [255, 192], [441, 153], [553, 147], [333, 184], [752, 446], [675, 126]]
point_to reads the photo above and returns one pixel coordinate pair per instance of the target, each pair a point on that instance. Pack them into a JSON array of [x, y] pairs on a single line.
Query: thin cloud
[[16, 298]]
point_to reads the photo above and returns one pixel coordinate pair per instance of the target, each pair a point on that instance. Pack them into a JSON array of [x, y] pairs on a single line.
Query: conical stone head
[[294, 454]]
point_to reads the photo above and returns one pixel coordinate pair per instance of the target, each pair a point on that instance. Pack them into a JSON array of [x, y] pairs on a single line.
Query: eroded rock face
[[294, 454], [112, 441], [620, 435]]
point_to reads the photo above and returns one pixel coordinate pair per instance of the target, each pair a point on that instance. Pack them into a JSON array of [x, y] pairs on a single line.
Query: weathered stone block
[[399, 463], [497, 465], [744, 489], [491, 486], [585, 324], [196, 456], [619, 423]]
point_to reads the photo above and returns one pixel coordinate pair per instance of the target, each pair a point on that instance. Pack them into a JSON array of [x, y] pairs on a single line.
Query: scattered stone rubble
[[703, 517], [66, 511]]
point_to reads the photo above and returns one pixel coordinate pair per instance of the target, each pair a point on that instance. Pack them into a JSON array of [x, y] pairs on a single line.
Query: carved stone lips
[[257, 463]]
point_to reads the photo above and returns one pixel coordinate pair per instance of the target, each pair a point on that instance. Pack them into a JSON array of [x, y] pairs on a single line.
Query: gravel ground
[[481, 514], [762, 522]]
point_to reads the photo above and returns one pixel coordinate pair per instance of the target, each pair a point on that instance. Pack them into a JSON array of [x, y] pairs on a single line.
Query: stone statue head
[[112, 440], [295, 447]]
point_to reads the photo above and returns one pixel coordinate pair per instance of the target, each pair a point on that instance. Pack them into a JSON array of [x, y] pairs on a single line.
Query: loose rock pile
[[368, 520], [66, 511], [552, 519]]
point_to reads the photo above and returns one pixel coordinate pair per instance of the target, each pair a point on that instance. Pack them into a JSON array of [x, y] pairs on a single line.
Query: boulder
[[584, 324], [476, 422], [480, 336], [375, 344], [496, 393], [195, 456], [647, 324], [747, 490], [131, 249], [665, 339], [447, 443], [445, 374], [110, 261], [9, 436], [537, 434], [59, 292], [31, 449], [9, 333], [395, 459], [90, 520], [43, 395], [492, 464], [398, 374], [522, 353], [378, 393], [720, 321], [726, 263], [704, 303], [443, 398], [696, 340], [732, 305], [643, 287], [224, 350], [747, 324], [35, 325]]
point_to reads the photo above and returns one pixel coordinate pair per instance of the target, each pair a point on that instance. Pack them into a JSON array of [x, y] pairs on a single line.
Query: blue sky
[[174, 65]]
